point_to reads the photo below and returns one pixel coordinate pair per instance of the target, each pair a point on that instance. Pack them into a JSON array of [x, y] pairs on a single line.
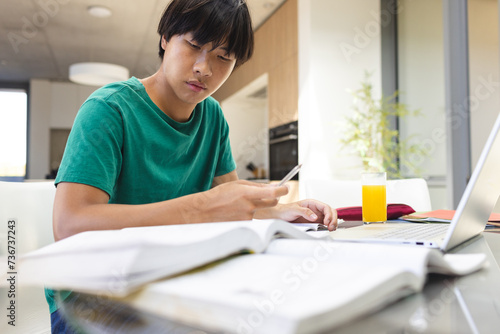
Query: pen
[[291, 174]]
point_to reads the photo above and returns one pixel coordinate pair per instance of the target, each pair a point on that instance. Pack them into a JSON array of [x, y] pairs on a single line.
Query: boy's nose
[[202, 65]]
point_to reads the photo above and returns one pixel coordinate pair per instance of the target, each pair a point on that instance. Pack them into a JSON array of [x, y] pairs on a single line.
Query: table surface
[[469, 304]]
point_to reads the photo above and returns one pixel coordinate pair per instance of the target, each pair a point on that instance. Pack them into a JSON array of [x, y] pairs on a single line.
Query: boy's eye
[[194, 46], [224, 58]]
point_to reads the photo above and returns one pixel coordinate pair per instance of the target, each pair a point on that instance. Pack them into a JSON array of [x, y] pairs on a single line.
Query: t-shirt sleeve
[[93, 153], [226, 163]]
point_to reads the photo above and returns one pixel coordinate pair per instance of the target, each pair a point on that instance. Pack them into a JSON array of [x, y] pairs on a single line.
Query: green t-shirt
[[123, 144]]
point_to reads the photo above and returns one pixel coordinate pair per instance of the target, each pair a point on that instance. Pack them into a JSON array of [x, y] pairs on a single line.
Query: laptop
[[471, 215]]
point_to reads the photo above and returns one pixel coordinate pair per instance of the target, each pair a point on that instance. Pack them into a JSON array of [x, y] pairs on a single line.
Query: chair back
[[413, 192], [344, 193], [29, 204]]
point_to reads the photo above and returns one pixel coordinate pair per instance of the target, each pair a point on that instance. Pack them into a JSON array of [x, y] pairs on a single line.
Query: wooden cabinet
[[275, 53]]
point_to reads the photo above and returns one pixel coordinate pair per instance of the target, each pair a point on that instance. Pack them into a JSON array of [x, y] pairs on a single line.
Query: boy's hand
[[308, 211], [237, 200]]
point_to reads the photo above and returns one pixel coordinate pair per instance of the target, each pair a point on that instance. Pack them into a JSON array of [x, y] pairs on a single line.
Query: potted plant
[[369, 134]]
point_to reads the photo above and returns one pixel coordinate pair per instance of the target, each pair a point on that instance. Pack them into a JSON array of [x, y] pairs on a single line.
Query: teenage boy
[[156, 151]]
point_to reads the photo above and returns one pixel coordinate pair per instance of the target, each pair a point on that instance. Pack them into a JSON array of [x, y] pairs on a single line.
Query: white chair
[[413, 192], [343, 193], [30, 205]]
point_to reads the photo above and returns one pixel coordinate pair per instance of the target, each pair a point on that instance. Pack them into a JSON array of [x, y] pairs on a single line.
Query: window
[[13, 134]]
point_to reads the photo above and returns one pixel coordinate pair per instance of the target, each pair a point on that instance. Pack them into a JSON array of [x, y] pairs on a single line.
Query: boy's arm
[[231, 176], [79, 207]]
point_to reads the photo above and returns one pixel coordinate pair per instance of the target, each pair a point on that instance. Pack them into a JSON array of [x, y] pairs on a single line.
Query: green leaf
[[368, 133]]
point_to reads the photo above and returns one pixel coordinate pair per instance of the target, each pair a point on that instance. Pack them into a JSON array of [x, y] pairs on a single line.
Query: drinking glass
[[374, 206]]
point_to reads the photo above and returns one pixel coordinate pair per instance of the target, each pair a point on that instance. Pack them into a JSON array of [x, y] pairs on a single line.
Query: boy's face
[[194, 71]]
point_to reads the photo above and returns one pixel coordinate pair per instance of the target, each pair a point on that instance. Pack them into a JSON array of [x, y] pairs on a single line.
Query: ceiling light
[[99, 11], [97, 74]]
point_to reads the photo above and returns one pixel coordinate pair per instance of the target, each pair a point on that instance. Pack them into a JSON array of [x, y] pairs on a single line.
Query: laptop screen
[[480, 195]]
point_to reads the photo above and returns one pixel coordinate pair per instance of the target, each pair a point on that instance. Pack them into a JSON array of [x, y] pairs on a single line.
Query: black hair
[[216, 21]]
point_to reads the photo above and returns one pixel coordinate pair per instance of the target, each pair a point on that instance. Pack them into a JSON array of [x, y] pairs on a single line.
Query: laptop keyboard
[[415, 232]]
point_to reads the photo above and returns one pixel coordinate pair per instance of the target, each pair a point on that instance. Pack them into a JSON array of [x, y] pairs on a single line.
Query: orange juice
[[374, 203]]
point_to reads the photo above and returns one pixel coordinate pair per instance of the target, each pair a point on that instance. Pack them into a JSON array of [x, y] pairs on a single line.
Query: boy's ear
[[163, 42]]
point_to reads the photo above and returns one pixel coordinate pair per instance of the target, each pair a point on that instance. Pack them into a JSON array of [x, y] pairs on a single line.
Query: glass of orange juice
[[374, 204]]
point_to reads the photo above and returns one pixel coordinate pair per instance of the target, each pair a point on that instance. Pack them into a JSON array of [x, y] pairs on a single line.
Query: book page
[[120, 260], [418, 260], [308, 227], [285, 292], [456, 264], [172, 235]]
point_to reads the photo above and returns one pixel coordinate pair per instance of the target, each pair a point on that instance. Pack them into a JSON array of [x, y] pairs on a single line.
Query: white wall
[[53, 105], [484, 71], [421, 86], [248, 124], [338, 41], [421, 81]]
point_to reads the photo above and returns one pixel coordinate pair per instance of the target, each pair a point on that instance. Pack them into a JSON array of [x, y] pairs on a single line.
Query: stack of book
[[264, 276]]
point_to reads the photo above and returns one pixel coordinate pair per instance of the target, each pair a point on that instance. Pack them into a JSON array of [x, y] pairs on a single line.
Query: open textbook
[[116, 262], [202, 274], [297, 286]]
